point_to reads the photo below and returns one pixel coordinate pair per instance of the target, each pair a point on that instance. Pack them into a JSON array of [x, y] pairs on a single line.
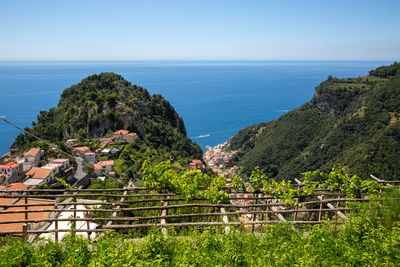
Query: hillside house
[[40, 173], [106, 166], [105, 152], [131, 137], [90, 157], [10, 172], [106, 141], [31, 158], [121, 135], [80, 151], [33, 182], [196, 164], [57, 166], [17, 187]]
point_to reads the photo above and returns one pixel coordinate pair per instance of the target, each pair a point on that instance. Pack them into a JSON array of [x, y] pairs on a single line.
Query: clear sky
[[202, 29]]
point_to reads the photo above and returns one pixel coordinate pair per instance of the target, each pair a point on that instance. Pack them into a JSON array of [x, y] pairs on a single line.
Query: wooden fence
[[134, 208]]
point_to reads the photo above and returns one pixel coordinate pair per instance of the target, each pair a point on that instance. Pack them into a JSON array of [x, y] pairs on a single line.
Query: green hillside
[[101, 104], [350, 122]]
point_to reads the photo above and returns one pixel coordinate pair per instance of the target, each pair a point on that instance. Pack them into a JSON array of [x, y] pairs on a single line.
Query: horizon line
[[122, 60]]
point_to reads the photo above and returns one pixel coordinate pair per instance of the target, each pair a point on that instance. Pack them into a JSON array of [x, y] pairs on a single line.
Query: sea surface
[[215, 98]]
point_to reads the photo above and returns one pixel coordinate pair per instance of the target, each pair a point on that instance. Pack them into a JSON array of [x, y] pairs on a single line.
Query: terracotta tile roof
[[21, 216], [82, 148], [131, 134], [197, 161], [32, 152], [17, 186], [6, 201], [122, 132], [9, 165], [38, 173], [89, 153], [2, 187], [97, 166]]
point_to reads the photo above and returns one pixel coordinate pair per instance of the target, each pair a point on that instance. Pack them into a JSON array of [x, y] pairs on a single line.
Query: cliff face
[[103, 103], [349, 122]]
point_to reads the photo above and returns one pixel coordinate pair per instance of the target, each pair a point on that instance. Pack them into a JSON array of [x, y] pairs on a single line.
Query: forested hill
[[354, 123], [101, 104]]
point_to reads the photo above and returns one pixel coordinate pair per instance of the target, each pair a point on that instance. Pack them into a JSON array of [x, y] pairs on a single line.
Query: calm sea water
[[215, 98]]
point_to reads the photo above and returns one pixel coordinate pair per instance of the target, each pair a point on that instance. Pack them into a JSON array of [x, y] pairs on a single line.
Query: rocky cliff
[[350, 122]]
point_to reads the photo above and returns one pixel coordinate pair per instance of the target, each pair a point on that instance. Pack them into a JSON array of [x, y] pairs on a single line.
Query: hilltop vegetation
[[350, 122], [101, 104]]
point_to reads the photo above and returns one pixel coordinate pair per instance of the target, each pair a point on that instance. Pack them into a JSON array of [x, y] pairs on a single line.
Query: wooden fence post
[[253, 218], [26, 208], [225, 220], [87, 225], [24, 231], [321, 205], [164, 212], [56, 226], [74, 222], [295, 216]]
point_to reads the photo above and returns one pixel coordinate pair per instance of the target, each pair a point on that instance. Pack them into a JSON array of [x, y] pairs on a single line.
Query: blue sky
[[200, 30]]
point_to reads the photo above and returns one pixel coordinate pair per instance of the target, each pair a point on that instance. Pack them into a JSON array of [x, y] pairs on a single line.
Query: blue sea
[[215, 98]]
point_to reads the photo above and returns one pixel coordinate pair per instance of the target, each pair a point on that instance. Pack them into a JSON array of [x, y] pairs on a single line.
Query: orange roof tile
[[122, 132], [6, 201], [21, 216], [10, 165], [17, 186], [97, 166], [32, 152], [38, 173], [131, 134], [82, 148]]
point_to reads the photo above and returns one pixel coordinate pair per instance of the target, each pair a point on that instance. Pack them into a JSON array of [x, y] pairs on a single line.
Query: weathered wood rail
[[131, 208]]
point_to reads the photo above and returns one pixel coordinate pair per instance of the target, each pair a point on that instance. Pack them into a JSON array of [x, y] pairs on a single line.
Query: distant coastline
[[215, 98]]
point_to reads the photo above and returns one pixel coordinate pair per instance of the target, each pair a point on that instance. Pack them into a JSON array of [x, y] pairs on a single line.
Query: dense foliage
[[386, 71], [189, 183], [362, 240], [337, 180], [350, 122], [104, 103]]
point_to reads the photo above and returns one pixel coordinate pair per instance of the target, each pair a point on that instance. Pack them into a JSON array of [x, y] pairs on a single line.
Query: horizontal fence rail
[[54, 212]]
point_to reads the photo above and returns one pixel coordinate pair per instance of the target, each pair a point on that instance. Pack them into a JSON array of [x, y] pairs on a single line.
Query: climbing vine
[[191, 184]]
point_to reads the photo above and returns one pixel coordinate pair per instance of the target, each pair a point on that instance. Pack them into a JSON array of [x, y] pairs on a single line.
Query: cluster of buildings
[[102, 168], [196, 164], [26, 171], [217, 157], [30, 169]]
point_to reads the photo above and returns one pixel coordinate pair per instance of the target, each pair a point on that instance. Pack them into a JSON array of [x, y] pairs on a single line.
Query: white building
[[31, 158]]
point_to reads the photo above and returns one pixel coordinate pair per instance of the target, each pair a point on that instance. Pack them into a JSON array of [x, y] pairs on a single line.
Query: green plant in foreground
[[191, 184], [388, 210]]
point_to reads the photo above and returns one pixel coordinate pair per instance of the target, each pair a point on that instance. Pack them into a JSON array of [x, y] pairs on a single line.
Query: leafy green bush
[[191, 184], [362, 240]]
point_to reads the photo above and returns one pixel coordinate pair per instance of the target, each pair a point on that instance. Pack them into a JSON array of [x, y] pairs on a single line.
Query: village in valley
[[89, 161], [217, 158], [21, 171], [33, 169]]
